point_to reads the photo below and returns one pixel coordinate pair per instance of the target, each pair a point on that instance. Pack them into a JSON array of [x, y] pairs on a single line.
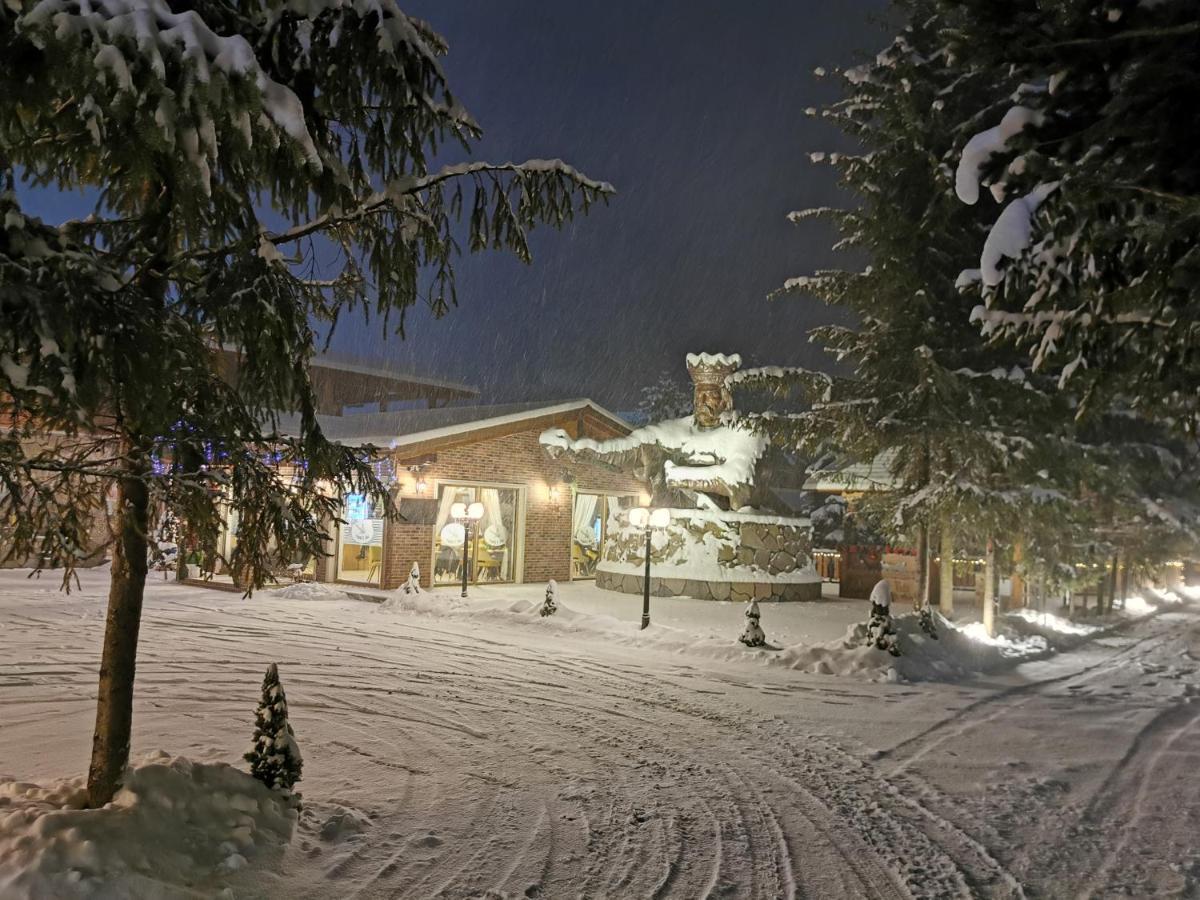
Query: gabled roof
[[340, 383], [408, 427]]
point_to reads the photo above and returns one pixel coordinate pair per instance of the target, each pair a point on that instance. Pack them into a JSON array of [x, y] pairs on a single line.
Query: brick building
[[543, 518]]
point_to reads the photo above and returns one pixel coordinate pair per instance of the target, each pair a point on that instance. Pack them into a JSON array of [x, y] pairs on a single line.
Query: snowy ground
[[484, 752]]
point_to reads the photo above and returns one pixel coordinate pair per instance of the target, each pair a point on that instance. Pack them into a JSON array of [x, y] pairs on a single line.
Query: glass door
[[593, 516], [360, 541], [493, 542]]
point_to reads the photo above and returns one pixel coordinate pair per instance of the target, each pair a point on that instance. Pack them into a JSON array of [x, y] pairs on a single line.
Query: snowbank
[[957, 653], [309, 591], [174, 827]]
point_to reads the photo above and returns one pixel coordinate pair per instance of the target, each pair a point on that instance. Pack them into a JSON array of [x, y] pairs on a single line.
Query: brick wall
[[403, 545]]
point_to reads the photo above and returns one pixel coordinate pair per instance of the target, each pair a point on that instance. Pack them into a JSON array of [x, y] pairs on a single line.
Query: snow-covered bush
[[752, 635], [274, 756], [550, 604], [881, 632], [925, 618], [413, 584]]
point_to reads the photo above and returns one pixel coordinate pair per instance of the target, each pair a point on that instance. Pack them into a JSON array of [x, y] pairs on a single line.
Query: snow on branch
[[780, 377], [1011, 233], [396, 192], [980, 148], [127, 32]]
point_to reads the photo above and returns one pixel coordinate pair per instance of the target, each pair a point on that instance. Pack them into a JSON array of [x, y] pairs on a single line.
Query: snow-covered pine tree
[[225, 145], [752, 634], [1086, 136], [413, 584], [962, 430], [667, 397], [550, 605], [881, 632], [274, 755]]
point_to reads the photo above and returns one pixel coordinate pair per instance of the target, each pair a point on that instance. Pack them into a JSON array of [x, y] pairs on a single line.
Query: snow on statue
[[881, 633], [413, 585], [550, 604], [274, 756], [752, 635]]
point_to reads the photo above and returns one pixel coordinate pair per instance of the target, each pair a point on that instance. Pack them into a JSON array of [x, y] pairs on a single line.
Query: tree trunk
[[1017, 600], [989, 588], [1116, 569], [946, 569], [114, 702], [1125, 582], [922, 598]]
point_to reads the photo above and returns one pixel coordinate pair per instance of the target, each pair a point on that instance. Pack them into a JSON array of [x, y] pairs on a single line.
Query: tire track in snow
[[991, 707]]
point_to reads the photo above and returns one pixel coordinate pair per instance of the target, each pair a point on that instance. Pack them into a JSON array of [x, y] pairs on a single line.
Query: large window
[[594, 515], [360, 541], [493, 541]]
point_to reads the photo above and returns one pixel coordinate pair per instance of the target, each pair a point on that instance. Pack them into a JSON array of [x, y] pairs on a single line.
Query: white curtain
[[449, 494], [494, 530], [492, 516], [582, 530]]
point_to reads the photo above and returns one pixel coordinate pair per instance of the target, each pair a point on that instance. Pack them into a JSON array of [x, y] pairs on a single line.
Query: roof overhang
[[463, 431]]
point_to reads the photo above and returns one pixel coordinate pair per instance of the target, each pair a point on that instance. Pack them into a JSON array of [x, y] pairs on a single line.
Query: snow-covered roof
[[726, 453], [405, 427], [875, 475]]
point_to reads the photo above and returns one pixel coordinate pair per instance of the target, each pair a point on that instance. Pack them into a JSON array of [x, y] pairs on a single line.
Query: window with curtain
[[492, 544], [360, 540], [594, 516]]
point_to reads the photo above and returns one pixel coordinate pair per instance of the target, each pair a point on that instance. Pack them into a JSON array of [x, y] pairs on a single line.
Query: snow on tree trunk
[[114, 700], [881, 632], [550, 604], [752, 635], [989, 588], [413, 584], [274, 756], [946, 569]]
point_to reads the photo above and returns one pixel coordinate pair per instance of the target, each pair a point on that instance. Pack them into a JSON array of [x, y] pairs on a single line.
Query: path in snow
[[462, 759]]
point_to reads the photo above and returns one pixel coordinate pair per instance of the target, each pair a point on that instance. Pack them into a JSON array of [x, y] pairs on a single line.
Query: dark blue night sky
[[695, 112]]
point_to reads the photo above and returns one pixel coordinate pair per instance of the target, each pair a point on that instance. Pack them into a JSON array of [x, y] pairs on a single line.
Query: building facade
[[542, 518]]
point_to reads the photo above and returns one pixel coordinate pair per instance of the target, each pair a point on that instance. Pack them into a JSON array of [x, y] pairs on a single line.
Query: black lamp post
[[649, 519], [465, 516]]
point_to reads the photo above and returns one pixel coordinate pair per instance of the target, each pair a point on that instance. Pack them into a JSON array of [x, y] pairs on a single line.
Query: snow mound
[[175, 826], [956, 654], [309, 591]]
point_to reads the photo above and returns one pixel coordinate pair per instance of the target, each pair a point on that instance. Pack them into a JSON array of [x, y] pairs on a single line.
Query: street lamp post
[[466, 515], [649, 519]]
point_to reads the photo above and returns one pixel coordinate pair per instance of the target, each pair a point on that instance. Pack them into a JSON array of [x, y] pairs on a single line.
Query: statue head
[[711, 395]]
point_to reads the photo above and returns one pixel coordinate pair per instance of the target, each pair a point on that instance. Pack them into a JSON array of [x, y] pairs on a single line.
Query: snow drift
[[176, 827]]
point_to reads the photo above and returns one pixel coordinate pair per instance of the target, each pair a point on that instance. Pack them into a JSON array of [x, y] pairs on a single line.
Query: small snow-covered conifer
[[881, 633], [413, 585], [550, 604], [752, 635], [274, 756]]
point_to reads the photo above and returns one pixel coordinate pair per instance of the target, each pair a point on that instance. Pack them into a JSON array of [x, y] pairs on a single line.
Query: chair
[[487, 560]]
